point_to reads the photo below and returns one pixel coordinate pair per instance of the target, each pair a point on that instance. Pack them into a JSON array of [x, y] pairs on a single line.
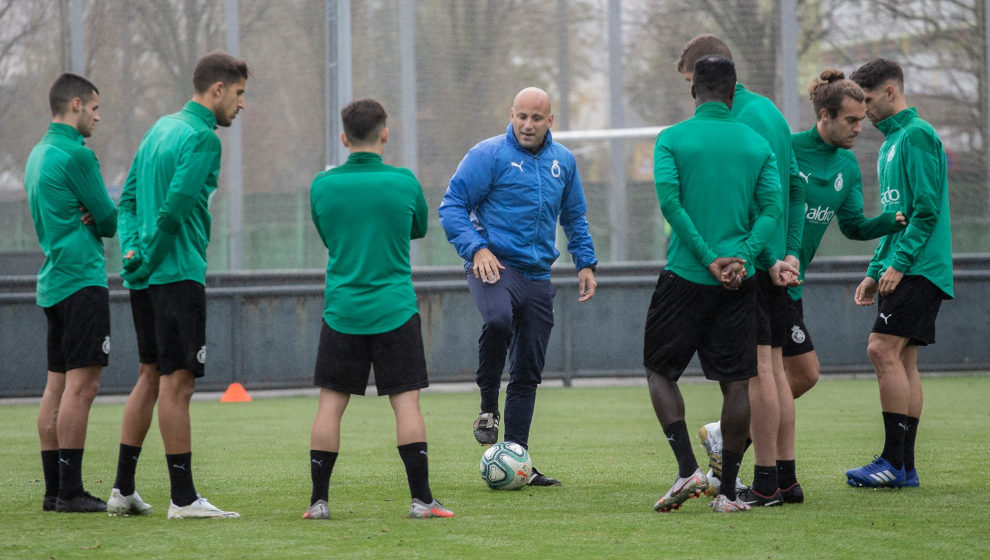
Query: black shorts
[[718, 324], [910, 311], [170, 322], [798, 339], [344, 361], [771, 315], [79, 330]]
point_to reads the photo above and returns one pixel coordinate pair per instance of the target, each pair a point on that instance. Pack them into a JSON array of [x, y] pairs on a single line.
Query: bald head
[[531, 117]]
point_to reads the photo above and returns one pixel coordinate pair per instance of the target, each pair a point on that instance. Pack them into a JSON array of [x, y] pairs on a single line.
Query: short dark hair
[[714, 78], [830, 88], [877, 72], [218, 66], [67, 87], [702, 45], [363, 119]]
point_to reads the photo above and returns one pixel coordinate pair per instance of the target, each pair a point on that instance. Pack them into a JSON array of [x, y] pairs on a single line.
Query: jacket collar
[[68, 131], [202, 113], [896, 122], [515, 143]]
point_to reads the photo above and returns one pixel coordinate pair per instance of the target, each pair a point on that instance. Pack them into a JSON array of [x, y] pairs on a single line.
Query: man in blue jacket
[[500, 212]]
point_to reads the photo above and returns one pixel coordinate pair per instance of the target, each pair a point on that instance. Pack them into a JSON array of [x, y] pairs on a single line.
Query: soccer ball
[[506, 466]]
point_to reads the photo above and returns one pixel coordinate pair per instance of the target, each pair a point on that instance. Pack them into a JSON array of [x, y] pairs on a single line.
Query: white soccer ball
[[506, 466]]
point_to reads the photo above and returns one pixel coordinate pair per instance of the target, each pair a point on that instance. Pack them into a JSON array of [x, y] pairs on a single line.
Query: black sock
[[49, 466], [320, 468], [680, 442], [127, 459], [416, 460], [69, 473], [764, 479], [181, 479], [909, 437], [895, 428], [730, 471], [786, 474]]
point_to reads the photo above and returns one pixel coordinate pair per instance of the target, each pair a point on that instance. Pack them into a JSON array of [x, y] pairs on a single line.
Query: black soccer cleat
[[486, 428], [49, 503], [755, 499], [793, 494], [84, 502], [536, 478]]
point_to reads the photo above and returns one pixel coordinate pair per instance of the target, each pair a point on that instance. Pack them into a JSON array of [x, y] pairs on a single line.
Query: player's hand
[[784, 274], [866, 292], [137, 275], [889, 281], [729, 271], [86, 218], [586, 284], [132, 260], [900, 218], [796, 264], [486, 266]]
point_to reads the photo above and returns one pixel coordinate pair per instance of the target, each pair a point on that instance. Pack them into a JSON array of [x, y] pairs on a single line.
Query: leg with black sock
[[127, 460], [909, 438], [70, 473], [416, 460], [680, 443], [320, 469], [735, 432], [895, 429], [786, 474], [50, 468], [765, 479], [181, 479], [731, 461]]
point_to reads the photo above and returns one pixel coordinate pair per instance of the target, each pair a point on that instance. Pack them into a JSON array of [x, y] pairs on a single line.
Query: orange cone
[[235, 393]]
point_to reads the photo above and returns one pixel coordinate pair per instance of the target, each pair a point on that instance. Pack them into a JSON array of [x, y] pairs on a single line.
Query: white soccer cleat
[[320, 509], [721, 504], [711, 439], [682, 490], [201, 508], [122, 505], [714, 483], [419, 509]]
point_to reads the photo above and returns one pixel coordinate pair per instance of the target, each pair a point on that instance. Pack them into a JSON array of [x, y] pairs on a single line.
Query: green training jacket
[[62, 174], [913, 179], [366, 213], [833, 189], [760, 114], [164, 206], [709, 172]]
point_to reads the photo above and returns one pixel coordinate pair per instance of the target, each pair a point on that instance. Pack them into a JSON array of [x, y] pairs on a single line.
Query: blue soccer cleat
[[911, 479], [878, 474]]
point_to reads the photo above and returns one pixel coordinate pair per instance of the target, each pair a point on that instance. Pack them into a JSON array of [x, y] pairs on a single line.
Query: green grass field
[[604, 443]]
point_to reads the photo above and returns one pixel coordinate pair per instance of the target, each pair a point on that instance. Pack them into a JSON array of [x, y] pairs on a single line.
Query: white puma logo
[[423, 452], [805, 177], [319, 463], [181, 467], [671, 438], [904, 426], [64, 461], [885, 317], [519, 165]]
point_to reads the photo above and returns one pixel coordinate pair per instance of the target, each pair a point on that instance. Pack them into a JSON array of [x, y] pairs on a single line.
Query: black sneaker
[[793, 494], [755, 499], [49, 503], [486, 428], [536, 478], [83, 502]]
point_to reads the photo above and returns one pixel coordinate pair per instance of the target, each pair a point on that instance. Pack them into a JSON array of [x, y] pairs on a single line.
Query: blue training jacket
[[508, 199]]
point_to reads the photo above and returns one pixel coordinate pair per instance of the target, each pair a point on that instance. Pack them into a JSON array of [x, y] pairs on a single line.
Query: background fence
[[447, 71]]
